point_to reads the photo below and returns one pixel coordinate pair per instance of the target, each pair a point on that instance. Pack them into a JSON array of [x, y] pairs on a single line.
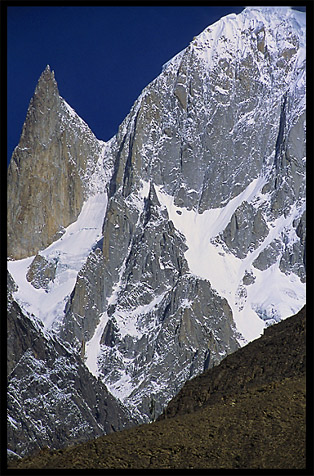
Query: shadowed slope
[[278, 354]]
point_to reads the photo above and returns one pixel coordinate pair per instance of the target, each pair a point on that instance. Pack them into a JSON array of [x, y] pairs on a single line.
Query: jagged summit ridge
[[47, 76], [198, 219]]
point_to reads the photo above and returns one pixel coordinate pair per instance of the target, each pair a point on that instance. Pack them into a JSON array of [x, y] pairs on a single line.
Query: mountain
[[52, 398], [247, 412], [153, 256], [50, 170]]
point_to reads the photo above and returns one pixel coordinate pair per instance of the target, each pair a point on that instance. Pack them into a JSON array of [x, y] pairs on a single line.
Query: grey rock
[[81, 314], [291, 255], [248, 278], [11, 286], [180, 93], [301, 228], [225, 111], [268, 256], [246, 230], [195, 326], [20, 334], [48, 171], [53, 400], [293, 258], [168, 309], [41, 272]]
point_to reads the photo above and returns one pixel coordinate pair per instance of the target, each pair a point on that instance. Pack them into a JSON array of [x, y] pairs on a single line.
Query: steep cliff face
[[190, 236], [49, 171], [52, 397], [162, 324], [217, 143]]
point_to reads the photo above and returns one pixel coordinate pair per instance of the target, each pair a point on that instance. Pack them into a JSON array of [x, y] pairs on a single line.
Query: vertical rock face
[[192, 235], [212, 133], [52, 397], [163, 325], [48, 171]]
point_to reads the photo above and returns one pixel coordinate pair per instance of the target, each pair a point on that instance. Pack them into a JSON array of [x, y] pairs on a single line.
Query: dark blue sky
[[102, 56]]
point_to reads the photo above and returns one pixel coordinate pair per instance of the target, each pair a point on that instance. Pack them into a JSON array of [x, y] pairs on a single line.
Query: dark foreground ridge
[[278, 354], [248, 412]]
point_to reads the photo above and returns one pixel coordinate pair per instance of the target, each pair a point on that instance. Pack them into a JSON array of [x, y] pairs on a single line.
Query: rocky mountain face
[[247, 412], [181, 238], [49, 171], [52, 397]]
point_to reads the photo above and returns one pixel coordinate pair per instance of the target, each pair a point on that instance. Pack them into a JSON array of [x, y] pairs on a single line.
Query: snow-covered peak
[[270, 39], [267, 12], [273, 16], [253, 20], [278, 28]]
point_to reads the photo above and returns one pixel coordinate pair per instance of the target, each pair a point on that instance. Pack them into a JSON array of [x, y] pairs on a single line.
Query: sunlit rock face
[[52, 397], [220, 132], [48, 171], [188, 234]]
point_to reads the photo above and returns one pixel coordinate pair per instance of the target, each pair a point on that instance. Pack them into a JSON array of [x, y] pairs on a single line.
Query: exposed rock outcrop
[[48, 171], [41, 272], [53, 400]]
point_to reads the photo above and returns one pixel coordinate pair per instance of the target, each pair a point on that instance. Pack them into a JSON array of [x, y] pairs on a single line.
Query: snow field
[[274, 292], [70, 252]]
